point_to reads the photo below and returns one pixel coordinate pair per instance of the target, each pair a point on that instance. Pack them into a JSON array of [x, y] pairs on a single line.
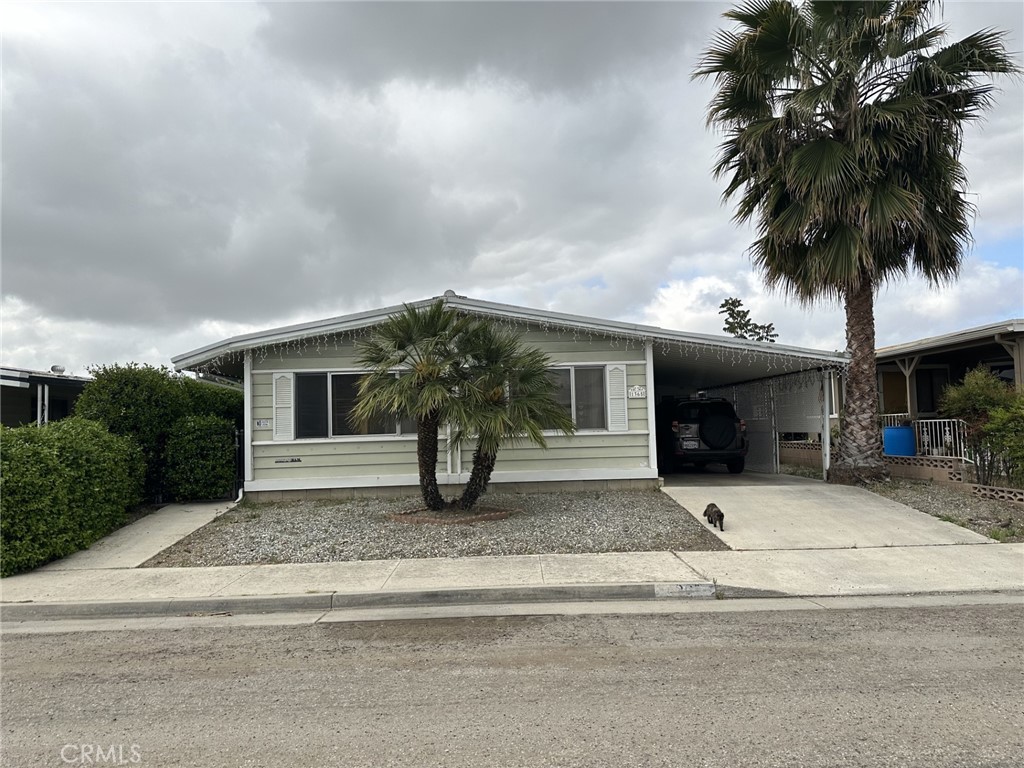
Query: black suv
[[700, 431]]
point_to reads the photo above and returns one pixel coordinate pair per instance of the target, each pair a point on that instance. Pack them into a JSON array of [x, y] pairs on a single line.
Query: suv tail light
[[743, 425]]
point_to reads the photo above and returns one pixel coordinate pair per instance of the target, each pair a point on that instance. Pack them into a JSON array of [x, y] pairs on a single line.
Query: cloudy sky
[[174, 174]]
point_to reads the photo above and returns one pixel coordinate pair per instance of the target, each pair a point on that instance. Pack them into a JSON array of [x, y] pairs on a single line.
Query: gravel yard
[[541, 523], [1000, 520]]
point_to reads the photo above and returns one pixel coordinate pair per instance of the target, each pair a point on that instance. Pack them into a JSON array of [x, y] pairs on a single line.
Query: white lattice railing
[[942, 437], [894, 419]]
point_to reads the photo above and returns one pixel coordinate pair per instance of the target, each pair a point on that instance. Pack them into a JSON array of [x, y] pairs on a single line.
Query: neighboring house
[[35, 397], [300, 383], [912, 376]]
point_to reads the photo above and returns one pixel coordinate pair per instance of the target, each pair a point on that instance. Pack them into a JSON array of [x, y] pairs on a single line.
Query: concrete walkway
[[131, 546], [103, 581], [772, 512]]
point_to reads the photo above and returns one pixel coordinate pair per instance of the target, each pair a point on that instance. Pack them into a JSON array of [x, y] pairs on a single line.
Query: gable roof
[[545, 319], [968, 337]]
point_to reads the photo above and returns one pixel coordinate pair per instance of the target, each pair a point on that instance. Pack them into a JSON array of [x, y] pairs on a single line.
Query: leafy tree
[[1004, 432], [974, 401], [420, 344], [844, 125], [739, 324], [504, 394]]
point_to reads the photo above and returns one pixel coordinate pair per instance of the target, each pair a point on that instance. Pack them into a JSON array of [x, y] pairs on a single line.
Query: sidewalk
[[104, 581]]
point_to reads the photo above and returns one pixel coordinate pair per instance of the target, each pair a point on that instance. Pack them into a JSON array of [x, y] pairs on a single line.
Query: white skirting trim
[[372, 481]]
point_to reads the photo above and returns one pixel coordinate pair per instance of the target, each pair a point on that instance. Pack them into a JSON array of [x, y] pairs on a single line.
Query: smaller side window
[[310, 405]]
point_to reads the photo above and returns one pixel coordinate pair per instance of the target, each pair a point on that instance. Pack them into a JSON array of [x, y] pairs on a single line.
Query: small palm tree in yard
[[504, 394], [418, 344], [442, 368], [844, 124]]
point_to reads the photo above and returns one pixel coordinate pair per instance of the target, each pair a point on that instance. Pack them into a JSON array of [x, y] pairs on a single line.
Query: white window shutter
[[284, 398], [618, 420]]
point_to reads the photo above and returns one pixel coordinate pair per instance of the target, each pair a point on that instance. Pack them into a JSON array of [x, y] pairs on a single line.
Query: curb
[[327, 601]]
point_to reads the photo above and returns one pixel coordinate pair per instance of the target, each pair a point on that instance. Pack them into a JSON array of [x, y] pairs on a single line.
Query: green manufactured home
[[300, 383]]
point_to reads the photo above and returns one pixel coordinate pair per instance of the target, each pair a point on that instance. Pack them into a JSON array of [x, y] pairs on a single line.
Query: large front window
[[581, 392], [323, 403]]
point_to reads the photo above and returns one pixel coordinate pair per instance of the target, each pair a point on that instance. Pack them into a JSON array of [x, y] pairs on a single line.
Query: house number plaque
[[637, 391]]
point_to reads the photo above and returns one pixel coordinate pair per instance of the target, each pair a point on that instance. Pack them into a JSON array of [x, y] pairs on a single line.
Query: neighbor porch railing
[[934, 437], [894, 419], [942, 437]]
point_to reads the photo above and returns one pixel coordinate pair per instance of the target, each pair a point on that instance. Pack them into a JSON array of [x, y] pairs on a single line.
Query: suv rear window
[[689, 413]]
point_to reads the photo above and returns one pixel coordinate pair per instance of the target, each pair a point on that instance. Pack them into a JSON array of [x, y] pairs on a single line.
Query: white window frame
[[291, 375], [608, 421]]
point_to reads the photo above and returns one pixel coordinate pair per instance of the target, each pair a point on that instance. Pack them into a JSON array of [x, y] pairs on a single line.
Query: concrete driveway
[[764, 511]]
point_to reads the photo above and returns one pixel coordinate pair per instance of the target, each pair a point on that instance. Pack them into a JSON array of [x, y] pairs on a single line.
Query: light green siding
[[636, 407], [339, 458], [332, 355], [563, 347], [591, 450], [334, 460]]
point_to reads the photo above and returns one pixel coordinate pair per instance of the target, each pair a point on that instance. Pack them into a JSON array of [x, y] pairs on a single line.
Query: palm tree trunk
[[426, 450], [483, 466], [859, 457]]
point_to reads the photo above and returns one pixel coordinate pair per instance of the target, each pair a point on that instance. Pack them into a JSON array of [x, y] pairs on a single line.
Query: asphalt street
[[922, 687]]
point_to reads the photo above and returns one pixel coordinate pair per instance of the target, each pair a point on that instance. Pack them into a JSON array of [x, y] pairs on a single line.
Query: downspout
[[826, 427], [247, 419], [652, 436]]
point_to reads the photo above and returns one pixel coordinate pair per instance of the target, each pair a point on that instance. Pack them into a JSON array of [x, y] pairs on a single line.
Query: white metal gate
[[753, 403], [791, 403]]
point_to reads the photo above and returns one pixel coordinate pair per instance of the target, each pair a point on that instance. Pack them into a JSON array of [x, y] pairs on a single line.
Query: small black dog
[[715, 516]]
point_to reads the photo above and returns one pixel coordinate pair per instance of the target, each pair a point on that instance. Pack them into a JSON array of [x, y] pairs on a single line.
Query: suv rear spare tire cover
[[717, 430]]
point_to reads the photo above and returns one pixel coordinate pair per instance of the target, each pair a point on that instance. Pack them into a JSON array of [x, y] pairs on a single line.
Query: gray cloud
[[548, 45], [175, 174]]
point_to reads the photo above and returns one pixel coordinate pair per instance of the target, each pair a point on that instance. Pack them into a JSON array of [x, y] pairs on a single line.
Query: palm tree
[[844, 125], [418, 344], [504, 394]]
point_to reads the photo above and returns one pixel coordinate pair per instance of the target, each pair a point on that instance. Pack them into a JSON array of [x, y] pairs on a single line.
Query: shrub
[[981, 394], [205, 399], [201, 458], [63, 486], [1004, 436], [139, 401], [106, 473]]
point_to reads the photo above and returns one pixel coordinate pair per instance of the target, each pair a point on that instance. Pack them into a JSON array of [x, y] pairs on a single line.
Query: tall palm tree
[[844, 124], [418, 344], [504, 394]]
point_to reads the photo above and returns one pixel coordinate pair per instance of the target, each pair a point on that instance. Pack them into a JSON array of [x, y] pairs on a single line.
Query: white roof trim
[[980, 333], [9, 375], [479, 307]]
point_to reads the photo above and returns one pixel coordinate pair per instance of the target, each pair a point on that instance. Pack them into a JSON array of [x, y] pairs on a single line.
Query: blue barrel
[[898, 441]]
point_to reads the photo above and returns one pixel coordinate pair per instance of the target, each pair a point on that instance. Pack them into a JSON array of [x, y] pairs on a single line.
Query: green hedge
[[145, 403], [201, 458], [62, 487]]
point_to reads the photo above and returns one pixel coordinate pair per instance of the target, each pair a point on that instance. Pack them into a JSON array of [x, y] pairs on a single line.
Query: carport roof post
[[225, 357]]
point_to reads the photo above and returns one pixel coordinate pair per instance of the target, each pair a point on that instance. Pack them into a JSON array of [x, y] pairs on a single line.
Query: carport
[[774, 388]]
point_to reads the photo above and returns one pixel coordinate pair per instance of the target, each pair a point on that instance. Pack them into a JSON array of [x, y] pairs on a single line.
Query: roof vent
[[58, 369]]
